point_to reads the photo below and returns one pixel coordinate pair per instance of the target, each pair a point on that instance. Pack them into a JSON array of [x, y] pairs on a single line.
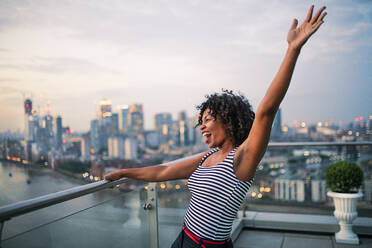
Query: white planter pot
[[345, 212]]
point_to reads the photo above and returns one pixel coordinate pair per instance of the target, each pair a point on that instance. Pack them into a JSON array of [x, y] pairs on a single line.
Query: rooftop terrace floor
[[264, 238]]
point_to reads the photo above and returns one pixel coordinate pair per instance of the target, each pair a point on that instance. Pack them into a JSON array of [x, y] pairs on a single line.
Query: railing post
[[1, 230], [245, 207], [151, 206]]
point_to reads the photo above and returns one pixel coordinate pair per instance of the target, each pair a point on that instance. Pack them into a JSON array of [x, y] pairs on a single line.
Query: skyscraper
[[131, 149], [123, 118], [58, 130], [135, 119], [115, 123], [28, 129], [105, 122], [27, 117], [104, 110], [47, 123], [94, 136], [183, 131], [116, 147], [163, 125]]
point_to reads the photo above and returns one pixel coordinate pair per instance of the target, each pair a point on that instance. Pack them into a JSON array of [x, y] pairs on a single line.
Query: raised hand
[[297, 37]]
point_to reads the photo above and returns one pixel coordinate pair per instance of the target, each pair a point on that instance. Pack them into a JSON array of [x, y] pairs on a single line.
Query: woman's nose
[[202, 126]]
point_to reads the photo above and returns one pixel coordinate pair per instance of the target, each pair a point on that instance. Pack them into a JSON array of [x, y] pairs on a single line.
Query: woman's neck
[[226, 147]]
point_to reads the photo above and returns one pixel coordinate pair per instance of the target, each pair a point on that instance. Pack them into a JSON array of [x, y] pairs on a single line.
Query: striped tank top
[[216, 195]]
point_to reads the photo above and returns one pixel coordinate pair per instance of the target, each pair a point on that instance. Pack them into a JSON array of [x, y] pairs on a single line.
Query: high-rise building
[[152, 139], [47, 123], [116, 147], [28, 106], [369, 129], [105, 122], [45, 136], [182, 116], [104, 110], [85, 151], [58, 131], [163, 125], [183, 131], [131, 148], [276, 132], [191, 123], [33, 127], [174, 132], [135, 119], [27, 116], [28, 129], [95, 136], [115, 123], [195, 135], [47, 130], [123, 118]]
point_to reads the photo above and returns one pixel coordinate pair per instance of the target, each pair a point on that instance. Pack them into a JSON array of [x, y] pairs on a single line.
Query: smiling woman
[[220, 178], [233, 111]]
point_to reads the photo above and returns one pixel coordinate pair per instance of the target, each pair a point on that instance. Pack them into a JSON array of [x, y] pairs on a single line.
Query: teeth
[[206, 134]]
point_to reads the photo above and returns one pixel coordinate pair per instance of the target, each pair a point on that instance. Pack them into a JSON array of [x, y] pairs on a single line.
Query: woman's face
[[213, 131]]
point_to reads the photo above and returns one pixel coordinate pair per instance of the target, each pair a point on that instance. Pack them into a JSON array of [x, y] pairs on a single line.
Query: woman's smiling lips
[[207, 135]]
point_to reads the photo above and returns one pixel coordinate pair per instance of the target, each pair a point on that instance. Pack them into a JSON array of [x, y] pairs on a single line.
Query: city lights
[[115, 136]]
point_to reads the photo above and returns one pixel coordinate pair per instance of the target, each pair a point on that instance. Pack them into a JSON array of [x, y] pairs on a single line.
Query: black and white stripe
[[216, 195]]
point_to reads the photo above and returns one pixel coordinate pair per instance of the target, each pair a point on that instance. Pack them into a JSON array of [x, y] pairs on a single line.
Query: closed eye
[[207, 120]]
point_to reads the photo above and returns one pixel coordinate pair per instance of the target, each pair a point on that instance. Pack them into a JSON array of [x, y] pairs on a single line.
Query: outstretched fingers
[[319, 22], [309, 14], [316, 16], [323, 15]]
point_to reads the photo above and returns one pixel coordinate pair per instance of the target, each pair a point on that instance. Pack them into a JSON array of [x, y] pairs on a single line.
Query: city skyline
[[168, 55], [173, 117]]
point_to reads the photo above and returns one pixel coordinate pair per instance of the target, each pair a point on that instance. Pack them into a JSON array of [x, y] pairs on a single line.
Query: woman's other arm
[[253, 148], [178, 169]]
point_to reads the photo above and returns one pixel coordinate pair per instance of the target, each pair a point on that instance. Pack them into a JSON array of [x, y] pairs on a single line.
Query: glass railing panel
[[173, 200], [40, 217], [119, 222], [292, 179], [22, 182]]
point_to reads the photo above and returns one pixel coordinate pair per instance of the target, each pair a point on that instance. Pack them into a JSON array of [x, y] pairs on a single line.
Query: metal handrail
[[289, 144], [23, 207]]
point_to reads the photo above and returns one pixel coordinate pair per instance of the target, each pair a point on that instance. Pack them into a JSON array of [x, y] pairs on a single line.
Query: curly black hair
[[233, 110]]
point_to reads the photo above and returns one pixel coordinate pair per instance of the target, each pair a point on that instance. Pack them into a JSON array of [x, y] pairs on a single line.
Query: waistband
[[199, 240]]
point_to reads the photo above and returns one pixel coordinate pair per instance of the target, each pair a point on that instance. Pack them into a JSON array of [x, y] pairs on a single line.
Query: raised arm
[[250, 153], [178, 169]]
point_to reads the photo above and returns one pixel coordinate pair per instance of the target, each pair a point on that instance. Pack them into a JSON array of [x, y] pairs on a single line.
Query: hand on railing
[[113, 176]]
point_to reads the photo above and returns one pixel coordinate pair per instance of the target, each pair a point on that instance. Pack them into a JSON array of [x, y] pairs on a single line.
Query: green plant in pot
[[344, 180]]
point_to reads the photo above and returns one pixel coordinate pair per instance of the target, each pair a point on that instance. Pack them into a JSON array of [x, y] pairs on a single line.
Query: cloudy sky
[[168, 54]]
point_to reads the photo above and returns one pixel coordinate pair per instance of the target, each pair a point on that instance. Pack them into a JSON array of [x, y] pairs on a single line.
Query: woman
[[220, 178]]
